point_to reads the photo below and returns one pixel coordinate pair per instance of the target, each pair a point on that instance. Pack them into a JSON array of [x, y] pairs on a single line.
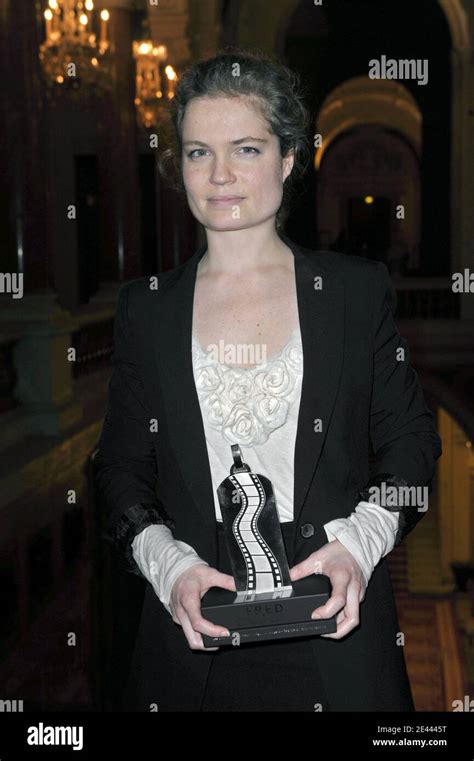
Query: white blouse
[[257, 407]]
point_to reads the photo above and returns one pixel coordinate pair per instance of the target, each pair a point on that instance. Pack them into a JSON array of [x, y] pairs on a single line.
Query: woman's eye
[[192, 154], [196, 150]]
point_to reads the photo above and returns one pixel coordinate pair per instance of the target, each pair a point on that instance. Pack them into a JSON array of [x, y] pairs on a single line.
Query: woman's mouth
[[225, 200]]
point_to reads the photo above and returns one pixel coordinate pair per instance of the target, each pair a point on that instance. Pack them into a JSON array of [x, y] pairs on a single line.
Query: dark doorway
[[368, 226]]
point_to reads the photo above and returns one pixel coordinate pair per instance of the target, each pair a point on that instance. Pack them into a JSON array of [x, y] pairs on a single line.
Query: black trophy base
[[266, 617]]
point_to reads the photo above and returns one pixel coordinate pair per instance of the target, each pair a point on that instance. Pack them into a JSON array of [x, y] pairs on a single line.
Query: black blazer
[[152, 463]]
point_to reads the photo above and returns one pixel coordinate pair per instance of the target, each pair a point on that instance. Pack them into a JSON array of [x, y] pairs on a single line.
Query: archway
[[450, 233], [368, 199], [368, 193], [361, 101]]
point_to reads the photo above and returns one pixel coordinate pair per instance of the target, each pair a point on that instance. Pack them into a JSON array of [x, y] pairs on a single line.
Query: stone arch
[[360, 101], [388, 116], [369, 173], [454, 11], [458, 23]]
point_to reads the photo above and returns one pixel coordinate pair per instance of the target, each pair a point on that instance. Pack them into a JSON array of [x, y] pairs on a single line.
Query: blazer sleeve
[[402, 427], [124, 465]]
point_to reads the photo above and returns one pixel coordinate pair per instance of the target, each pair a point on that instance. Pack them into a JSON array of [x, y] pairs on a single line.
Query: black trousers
[[266, 676]]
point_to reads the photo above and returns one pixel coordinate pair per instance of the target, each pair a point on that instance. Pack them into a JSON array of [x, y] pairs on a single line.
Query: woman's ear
[[288, 162]]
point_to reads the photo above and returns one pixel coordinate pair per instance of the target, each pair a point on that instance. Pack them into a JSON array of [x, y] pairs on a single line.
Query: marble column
[[36, 320]]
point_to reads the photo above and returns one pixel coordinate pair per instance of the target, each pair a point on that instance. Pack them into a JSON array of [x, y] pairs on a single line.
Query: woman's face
[[232, 169]]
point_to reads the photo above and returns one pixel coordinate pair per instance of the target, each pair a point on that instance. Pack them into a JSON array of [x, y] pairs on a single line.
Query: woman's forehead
[[221, 114]]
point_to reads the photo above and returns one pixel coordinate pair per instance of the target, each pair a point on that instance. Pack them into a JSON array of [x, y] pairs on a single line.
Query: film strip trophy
[[266, 605]]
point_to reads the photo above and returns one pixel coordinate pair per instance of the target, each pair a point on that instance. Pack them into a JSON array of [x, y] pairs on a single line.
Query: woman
[[334, 380]]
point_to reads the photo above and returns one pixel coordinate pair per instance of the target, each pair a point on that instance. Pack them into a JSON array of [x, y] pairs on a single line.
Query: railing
[[426, 299], [94, 345]]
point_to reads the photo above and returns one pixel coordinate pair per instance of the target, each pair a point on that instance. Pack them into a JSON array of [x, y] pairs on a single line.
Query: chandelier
[[155, 81], [76, 49]]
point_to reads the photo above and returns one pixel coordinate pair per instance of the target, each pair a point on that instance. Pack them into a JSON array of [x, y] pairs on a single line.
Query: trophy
[[267, 604]]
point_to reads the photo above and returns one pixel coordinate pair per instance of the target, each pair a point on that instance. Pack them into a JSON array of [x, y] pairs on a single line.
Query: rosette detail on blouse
[[247, 403]]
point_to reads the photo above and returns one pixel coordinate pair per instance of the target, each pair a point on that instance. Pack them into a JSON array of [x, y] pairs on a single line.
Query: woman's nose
[[221, 170]]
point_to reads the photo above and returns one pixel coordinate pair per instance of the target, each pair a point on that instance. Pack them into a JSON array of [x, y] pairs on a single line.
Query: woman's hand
[[185, 603], [348, 585]]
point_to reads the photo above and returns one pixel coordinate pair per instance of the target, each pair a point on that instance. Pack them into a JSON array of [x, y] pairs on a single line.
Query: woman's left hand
[[347, 581]]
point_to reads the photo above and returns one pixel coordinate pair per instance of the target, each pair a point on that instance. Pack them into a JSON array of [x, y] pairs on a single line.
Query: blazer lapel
[[172, 332], [321, 311], [321, 314]]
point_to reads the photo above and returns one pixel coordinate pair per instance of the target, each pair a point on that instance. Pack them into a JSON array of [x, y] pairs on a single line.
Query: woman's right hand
[[185, 603]]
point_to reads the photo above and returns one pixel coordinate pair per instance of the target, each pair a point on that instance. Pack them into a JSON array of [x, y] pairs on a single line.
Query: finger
[[311, 564], [351, 613], [192, 605], [352, 604], [335, 602], [194, 638], [339, 619], [217, 579]]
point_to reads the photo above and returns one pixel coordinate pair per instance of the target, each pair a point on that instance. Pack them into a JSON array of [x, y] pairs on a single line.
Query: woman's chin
[[225, 225]]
